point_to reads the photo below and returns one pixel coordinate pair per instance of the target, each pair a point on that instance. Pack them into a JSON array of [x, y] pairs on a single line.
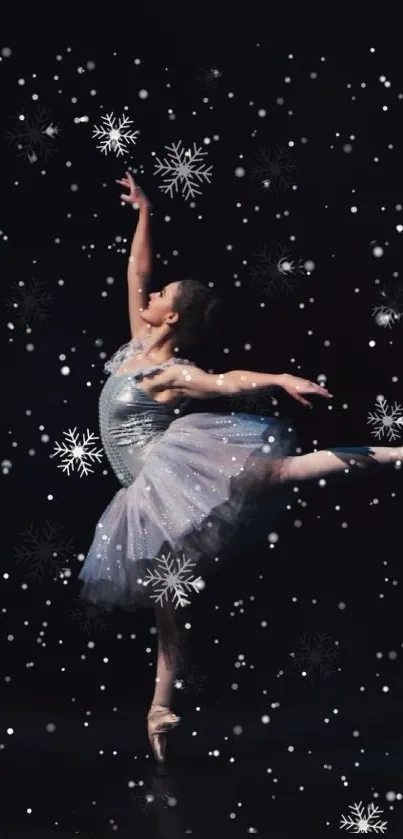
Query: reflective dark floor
[[229, 773]]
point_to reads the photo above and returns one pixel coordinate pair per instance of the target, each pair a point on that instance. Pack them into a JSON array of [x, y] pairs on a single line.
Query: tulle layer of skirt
[[161, 537]]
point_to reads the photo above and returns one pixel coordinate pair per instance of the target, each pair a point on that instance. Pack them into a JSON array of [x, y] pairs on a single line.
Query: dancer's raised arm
[[140, 259]]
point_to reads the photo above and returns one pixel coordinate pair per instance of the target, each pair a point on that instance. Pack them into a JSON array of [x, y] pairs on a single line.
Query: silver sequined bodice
[[131, 422]]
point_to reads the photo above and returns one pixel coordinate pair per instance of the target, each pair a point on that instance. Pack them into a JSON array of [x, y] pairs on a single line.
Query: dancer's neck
[[153, 351]]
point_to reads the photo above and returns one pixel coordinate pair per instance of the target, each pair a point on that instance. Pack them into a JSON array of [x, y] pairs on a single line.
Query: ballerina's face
[[160, 305]]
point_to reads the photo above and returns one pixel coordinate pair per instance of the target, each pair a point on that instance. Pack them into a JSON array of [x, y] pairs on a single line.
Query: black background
[[340, 544]]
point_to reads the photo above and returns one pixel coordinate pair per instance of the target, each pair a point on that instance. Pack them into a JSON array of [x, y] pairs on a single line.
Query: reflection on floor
[[230, 773]]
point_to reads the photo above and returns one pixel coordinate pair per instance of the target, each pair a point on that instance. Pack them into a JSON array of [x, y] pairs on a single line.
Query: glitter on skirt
[[183, 488]]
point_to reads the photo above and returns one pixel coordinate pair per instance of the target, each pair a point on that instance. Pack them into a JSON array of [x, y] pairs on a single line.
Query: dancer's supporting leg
[[160, 718], [169, 654], [338, 460]]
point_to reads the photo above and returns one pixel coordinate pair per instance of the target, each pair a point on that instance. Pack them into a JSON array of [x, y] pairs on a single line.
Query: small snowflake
[[183, 167], [317, 655], [33, 136], [275, 169], [386, 423], [30, 303], [89, 616], [168, 579], [75, 452], [391, 310], [361, 823], [209, 78], [45, 552], [115, 137], [276, 272]]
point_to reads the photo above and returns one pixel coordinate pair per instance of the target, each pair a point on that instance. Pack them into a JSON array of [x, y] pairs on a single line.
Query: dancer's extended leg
[[338, 460]]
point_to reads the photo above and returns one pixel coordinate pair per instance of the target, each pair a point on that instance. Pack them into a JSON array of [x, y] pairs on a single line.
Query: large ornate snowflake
[[46, 552], [275, 169], [184, 168], [172, 579], [30, 303], [317, 655], [73, 452], [33, 136], [276, 272], [389, 424], [391, 309], [115, 137], [361, 823]]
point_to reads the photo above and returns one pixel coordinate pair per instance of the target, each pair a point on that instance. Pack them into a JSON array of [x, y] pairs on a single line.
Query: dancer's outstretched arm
[[140, 259], [195, 383]]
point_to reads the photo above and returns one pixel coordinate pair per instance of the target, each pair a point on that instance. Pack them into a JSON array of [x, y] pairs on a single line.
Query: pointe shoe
[[160, 720]]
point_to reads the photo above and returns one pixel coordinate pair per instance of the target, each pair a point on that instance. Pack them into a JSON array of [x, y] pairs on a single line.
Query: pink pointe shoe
[[160, 721]]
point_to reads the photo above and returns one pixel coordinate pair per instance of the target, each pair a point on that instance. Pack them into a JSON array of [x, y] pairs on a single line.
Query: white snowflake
[[182, 168], [361, 823], [170, 580], [115, 136], [74, 451], [384, 423]]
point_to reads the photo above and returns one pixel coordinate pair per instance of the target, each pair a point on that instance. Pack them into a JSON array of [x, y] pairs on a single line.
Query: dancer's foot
[[160, 721], [399, 454]]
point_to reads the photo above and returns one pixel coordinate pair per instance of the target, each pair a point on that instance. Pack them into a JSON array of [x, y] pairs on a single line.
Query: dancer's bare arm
[[195, 383], [140, 259]]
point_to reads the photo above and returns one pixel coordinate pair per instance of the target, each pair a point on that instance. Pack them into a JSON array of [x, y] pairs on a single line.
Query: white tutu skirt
[[161, 536]]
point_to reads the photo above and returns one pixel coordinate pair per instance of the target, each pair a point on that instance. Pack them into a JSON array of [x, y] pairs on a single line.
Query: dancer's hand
[[136, 195], [295, 387]]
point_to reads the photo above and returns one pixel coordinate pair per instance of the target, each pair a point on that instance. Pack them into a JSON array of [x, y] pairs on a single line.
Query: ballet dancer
[[184, 478]]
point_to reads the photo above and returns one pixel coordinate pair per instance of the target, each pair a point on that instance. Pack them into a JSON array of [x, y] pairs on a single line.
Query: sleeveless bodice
[[130, 421]]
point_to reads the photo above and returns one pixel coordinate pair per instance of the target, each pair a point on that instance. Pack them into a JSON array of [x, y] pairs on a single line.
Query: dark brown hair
[[198, 309]]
